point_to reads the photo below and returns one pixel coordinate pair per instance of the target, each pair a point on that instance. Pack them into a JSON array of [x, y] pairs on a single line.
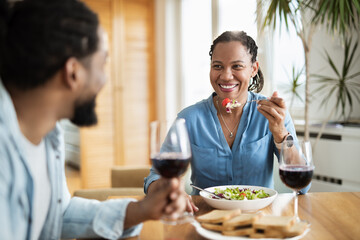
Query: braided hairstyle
[[258, 81], [41, 36]]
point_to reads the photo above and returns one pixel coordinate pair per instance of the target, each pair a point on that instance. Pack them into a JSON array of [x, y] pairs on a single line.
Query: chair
[[122, 176], [125, 181]]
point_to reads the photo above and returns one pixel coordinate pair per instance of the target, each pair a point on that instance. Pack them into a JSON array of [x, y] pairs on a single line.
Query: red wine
[[171, 165], [296, 177]]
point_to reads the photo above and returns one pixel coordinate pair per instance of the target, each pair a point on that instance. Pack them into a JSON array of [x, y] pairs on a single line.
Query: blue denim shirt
[[67, 217], [214, 163]]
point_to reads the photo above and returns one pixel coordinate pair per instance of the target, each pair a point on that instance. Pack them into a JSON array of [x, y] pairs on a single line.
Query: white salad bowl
[[244, 205]]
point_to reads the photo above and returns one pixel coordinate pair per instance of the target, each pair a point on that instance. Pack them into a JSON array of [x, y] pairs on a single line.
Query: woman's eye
[[217, 66], [237, 66]]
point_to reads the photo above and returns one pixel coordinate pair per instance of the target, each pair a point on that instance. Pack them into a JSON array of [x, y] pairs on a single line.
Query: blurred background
[[159, 64]]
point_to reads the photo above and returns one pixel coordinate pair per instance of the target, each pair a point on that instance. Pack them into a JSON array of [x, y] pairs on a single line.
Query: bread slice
[[239, 232], [241, 220], [215, 227], [296, 229], [257, 235], [217, 216], [282, 223], [274, 233]]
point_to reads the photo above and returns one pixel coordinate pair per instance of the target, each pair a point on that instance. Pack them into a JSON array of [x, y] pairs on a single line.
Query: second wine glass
[[170, 153], [296, 167]]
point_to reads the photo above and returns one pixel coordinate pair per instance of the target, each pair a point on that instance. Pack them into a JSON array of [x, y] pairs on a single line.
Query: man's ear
[[73, 73]]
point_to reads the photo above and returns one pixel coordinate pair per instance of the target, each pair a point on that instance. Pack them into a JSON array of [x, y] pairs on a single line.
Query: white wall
[[318, 65]]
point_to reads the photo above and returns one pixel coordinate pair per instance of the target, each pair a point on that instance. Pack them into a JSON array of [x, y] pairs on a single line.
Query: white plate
[[216, 235], [244, 205]]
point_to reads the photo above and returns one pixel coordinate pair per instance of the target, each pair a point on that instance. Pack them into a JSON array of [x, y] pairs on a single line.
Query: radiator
[[336, 158]]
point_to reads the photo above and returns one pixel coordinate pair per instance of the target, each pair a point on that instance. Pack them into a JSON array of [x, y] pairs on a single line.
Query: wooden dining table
[[332, 215]]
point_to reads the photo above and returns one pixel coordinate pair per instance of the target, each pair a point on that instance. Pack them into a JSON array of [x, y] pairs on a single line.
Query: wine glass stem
[[296, 216]]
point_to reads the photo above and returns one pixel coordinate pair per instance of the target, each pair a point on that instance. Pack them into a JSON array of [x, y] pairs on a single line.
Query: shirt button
[[57, 157], [59, 201]]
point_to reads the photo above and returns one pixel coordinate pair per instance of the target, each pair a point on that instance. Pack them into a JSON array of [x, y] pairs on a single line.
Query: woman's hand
[[274, 110]]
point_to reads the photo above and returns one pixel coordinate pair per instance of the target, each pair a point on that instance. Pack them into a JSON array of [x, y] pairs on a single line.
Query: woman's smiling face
[[231, 70]]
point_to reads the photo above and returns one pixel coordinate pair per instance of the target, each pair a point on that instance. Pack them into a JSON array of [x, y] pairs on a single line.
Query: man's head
[[45, 38]]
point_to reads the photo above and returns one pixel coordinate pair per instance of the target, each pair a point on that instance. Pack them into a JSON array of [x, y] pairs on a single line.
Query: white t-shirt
[[36, 156]]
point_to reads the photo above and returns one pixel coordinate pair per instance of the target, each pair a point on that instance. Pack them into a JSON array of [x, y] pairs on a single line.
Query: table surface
[[331, 215]]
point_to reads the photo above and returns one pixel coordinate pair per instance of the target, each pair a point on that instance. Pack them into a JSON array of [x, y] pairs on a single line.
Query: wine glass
[[296, 167], [170, 153]]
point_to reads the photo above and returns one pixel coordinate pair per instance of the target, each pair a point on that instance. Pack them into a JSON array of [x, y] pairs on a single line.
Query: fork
[[213, 194]]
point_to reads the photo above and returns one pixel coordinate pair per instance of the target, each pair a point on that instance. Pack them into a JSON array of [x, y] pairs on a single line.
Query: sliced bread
[[282, 223], [218, 216]]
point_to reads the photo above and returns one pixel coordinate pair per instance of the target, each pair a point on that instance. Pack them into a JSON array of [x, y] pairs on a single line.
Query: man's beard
[[85, 114]]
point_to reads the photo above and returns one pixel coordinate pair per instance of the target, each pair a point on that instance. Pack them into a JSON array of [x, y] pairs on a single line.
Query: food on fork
[[230, 104]]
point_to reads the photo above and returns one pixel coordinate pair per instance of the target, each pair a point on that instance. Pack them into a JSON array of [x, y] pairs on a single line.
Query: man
[[53, 55]]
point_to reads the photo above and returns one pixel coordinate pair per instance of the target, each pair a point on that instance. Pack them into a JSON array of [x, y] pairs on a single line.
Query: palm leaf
[[353, 75], [349, 97], [344, 86], [330, 61], [350, 59], [279, 8], [337, 15]]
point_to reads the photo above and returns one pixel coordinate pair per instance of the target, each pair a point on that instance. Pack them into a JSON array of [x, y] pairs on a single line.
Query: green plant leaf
[[332, 65], [356, 4], [353, 75], [338, 15], [280, 8]]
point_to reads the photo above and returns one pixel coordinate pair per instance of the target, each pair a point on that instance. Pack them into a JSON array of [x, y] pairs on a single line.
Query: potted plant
[[294, 87], [339, 16], [344, 85]]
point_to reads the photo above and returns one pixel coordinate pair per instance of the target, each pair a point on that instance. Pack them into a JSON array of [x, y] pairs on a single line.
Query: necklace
[[231, 132]]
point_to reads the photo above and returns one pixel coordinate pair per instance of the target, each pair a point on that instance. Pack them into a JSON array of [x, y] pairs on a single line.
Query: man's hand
[[190, 205], [166, 197]]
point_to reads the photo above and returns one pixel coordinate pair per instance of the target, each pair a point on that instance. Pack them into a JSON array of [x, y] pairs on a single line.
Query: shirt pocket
[[204, 166], [257, 162]]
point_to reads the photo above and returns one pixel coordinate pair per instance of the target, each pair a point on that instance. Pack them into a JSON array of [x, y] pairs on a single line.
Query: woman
[[238, 147]]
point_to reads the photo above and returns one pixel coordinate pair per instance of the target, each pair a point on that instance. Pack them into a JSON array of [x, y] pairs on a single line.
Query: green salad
[[236, 193]]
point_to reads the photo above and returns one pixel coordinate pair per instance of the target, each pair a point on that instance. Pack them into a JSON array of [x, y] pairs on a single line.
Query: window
[[288, 53], [197, 26], [195, 45], [192, 26]]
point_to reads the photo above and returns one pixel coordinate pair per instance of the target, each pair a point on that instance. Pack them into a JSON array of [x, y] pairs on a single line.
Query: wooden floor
[[72, 178]]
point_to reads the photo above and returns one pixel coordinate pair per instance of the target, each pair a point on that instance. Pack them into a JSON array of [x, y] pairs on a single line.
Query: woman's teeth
[[228, 86]]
